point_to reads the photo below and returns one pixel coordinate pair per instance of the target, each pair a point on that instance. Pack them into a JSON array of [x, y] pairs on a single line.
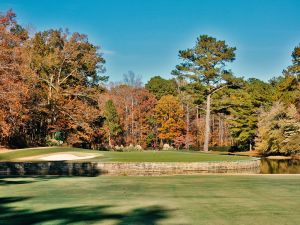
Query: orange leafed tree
[[169, 117], [13, 88], [134, 105], [66, 71]]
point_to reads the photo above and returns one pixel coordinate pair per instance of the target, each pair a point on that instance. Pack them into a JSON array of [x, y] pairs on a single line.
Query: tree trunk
[[187, 146], [197, 124], [109, 140], [132, 121], [207, 124], [126, 122]]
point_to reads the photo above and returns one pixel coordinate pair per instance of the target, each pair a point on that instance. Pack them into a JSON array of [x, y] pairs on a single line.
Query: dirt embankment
[[3, 149], [248, 153], [256, 154]]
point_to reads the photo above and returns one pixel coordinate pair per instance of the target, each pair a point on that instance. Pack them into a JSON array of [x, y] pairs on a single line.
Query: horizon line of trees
[[53, 90]]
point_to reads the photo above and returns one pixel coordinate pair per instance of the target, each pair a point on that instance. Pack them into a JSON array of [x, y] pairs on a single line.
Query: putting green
[[101, 156]]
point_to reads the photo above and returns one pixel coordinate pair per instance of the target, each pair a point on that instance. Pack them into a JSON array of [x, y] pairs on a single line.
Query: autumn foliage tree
[[65, 69], [169, 117], [279, 130], [13, 88], [135, 106]]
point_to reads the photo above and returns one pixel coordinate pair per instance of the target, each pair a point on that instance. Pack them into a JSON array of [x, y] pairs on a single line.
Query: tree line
[[53, 90]]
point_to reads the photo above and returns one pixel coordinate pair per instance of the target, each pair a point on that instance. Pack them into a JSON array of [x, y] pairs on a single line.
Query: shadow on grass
[[82, 214], [148, 215], [14, 180]]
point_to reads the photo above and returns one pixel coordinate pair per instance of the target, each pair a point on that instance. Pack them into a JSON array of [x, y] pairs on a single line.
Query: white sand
[[65, 156]]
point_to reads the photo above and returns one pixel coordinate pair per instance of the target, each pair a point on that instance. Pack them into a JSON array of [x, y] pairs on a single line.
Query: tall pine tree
[[205, 63]]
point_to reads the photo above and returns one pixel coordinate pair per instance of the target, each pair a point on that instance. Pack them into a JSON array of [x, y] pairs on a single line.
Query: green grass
[[259, 199], [146, 156], [167, 156]]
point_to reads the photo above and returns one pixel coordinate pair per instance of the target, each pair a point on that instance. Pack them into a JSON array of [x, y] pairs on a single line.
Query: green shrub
[[53, 142], [130, 148]]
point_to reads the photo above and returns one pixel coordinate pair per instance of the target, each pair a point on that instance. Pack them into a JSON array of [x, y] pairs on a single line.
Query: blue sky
[[145, 36]]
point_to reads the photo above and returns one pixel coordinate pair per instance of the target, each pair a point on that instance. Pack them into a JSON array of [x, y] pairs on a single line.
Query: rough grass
[[259, 199], [146, 156]]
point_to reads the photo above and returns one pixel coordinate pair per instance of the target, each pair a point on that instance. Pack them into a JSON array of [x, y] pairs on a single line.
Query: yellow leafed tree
[[169, 117]]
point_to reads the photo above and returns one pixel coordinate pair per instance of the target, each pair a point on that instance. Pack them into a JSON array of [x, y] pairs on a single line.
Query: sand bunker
[[62, 157]]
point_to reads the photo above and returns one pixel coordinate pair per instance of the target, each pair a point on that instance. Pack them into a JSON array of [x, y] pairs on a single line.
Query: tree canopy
[[160, 86]]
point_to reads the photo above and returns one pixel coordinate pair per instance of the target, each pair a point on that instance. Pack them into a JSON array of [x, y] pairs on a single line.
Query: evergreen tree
[[288, 85], [161, 87], [242, 106], [294, 69], [112, 121]]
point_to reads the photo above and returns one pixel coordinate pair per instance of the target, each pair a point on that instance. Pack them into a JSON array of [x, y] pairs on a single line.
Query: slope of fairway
[[234, 200], [146, 156]]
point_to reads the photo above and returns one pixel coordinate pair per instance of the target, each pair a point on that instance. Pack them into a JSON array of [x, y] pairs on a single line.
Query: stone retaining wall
[[48, 168], [127, 169], [172, 168]]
